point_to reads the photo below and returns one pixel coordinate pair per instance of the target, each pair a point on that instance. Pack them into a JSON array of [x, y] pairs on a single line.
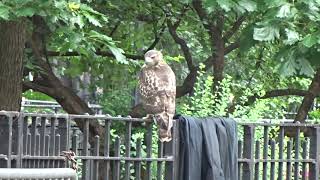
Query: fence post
[[248, 152], [314, 153], [63, 130], [20, 140], [170, 150]]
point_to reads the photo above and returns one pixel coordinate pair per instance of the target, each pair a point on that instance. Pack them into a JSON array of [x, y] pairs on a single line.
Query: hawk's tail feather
[[164, 121]]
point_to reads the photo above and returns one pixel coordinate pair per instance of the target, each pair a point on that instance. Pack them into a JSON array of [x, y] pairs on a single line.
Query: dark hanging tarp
[[208, 148]]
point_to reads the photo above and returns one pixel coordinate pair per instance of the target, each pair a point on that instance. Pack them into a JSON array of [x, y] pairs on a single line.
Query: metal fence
[[38, 140], [28, 105], [266, 153]]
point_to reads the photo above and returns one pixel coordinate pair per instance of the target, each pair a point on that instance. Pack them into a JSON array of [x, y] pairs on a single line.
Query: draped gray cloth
[[208, 148]]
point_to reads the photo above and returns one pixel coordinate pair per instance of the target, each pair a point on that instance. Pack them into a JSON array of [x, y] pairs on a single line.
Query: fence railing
[[266, 153], [51, 106], [39, 141], [133, 151]]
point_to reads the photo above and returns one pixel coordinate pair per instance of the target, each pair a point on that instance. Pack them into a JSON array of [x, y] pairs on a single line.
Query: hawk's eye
[[152, 57]]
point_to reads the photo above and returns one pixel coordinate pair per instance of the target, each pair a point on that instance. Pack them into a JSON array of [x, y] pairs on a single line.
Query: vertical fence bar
[[29, 150], [137, 164], [289, 149], [116, 167], [20, 140], [96, 162], [33, 135], [169, 151], [257, 164], [42, 135], [43, 138], [149, 146], [248, 152], [296, 154], [63, 130], [37, 162], [53, 139], [25, 135], [52, 135], [47, 150], [10, 142], [159, 164], [272, 156], [314, 153], [239, 156], [107, 147], [58, 149], [75, 143], [304, 156], [281, 138], [85, 169], [127, 146], [265, 151], [74, 146]]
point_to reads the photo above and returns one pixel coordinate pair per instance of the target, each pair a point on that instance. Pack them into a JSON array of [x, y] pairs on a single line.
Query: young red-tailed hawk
[[157, 85]]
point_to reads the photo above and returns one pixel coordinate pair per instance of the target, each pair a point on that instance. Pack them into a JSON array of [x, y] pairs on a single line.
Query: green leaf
[[288, 68], [292, 37], [117, 52], [305, 67], [226, 5], [285, 11], [315, 59], [310, 40], [28, 11], [92, 19], [248, 5], [101, 37], [268, 33], [4, 12], [246, 40], [274, 3]]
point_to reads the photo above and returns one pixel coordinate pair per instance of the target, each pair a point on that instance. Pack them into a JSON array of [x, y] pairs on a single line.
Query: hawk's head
[[152, 57]]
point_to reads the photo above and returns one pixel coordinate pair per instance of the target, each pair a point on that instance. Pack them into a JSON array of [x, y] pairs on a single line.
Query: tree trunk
[[313, 92], [218, 64], [12, 36], [12, 39]]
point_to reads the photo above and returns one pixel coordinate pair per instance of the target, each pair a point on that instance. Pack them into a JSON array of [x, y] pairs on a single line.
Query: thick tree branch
[[235, 27], [157, 36], [312, 93], [184, 47], [114, 29], [277, 93], [99, 53], [27, 85], [182, 43], [231, 47]]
